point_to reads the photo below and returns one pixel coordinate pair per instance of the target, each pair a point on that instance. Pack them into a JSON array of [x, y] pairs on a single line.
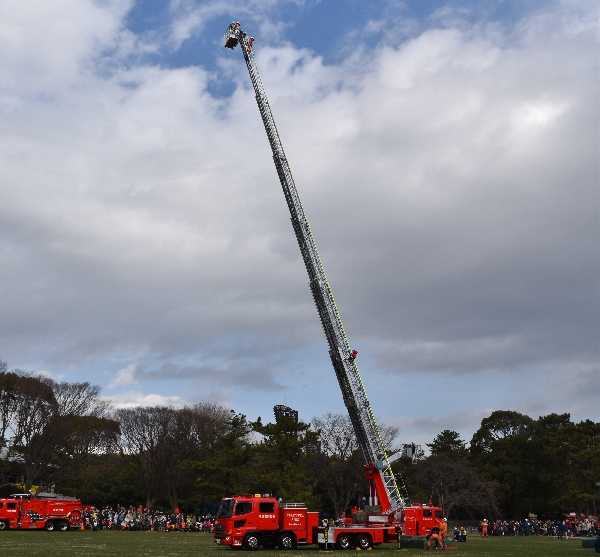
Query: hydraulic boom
[[343, 357]]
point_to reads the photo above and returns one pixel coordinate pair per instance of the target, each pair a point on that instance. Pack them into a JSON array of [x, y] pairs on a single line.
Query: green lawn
[[179, 544]]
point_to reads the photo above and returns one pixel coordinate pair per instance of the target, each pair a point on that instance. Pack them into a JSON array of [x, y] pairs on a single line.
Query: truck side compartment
[[28, 512]]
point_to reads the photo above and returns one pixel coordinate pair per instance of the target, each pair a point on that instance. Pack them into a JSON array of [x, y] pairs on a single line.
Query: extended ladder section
[[342, 356]]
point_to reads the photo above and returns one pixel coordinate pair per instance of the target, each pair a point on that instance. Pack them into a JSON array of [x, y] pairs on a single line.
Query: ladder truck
[[387, 492]]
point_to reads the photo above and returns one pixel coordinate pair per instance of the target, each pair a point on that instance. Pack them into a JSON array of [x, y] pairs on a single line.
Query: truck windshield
[[225, 509]]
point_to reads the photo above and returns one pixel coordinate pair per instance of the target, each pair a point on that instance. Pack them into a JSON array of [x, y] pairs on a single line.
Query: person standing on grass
[[562, 529], [443, 532]]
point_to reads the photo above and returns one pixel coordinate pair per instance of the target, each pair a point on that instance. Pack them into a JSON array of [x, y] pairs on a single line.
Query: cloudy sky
[[447, 155]]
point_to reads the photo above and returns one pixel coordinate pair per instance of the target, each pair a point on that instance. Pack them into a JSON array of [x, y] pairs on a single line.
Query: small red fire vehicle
[[253, 521], [43, 511], [418, 520]]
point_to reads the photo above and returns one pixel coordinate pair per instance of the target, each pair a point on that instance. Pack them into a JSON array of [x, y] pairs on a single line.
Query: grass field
[[178, 544]]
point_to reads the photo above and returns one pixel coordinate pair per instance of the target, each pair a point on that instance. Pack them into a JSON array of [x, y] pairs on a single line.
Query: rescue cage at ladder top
[[386, 490]]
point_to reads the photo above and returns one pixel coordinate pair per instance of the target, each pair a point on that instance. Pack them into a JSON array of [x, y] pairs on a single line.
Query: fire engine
[[388, 514], [258, 520], [44, 511], [253, 521], [262, 520]]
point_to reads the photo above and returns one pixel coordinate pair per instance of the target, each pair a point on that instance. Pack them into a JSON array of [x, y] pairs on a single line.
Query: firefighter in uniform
[[325, 530], [444, 532]]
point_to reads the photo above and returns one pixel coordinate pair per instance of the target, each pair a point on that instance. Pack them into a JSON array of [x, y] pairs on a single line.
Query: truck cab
[[418, 520], [254, 521], [9, 513]]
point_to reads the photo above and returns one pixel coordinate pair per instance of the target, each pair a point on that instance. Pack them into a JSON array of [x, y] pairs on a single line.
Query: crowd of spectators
[[570, 526], [137, 518]]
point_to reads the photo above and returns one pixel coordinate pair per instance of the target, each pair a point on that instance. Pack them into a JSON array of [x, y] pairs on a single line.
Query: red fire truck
[[44, 511], [254, 521], [241, 522]]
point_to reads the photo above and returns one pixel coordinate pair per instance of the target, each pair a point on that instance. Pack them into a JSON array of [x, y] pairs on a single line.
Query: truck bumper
[[233, 541]]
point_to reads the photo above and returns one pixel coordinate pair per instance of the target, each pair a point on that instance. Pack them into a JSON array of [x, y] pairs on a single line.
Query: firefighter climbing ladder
[[342, 356]]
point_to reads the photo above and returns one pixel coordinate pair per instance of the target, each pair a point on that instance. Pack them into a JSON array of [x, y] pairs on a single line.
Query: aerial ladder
[[386, 490]]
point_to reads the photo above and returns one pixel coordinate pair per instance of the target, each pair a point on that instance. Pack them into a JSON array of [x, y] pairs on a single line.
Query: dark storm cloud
[[242, 372]]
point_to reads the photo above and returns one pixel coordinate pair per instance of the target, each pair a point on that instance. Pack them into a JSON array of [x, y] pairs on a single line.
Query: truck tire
[[287, 541], [62, 525], [344, 541], [251, 542], [50, 526], [3, 525], [364, 541]]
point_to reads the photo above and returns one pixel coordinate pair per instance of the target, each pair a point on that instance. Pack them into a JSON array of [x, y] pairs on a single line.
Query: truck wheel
[[287, 541], [3, 525], [344, 541], [251, 542], [364, 541], [62, 525], [50, 526]]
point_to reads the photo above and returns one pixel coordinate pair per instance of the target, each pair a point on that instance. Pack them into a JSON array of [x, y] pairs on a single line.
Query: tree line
[[63, 435]]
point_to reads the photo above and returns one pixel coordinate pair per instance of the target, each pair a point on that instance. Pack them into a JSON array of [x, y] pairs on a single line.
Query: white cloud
[[134, 399], [126, 376], [451, 180], [46, 48]]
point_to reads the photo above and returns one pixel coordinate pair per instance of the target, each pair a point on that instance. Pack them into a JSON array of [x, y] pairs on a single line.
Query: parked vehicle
[[255, 521], [389, 515], [44, 511]]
